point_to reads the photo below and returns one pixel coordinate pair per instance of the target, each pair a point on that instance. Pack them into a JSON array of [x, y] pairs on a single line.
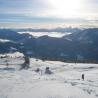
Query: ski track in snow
[[65, 82]]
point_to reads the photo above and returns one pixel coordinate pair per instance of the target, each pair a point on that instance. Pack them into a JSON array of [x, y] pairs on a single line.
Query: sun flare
[[65, 8]]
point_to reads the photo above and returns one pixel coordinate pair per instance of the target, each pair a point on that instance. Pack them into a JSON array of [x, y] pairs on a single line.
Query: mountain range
[[80, 45]]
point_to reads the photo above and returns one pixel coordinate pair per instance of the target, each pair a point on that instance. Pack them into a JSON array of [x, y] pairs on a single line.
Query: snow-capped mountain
[[82, 45]]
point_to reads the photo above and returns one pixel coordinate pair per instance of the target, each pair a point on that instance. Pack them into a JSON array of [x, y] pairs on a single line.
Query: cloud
[[42, 11], [27, 7]]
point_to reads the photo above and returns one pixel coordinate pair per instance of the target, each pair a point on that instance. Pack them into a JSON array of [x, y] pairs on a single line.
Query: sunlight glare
[[65, 8]]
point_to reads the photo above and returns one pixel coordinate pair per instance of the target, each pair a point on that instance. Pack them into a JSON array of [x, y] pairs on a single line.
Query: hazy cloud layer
[[43, 11]]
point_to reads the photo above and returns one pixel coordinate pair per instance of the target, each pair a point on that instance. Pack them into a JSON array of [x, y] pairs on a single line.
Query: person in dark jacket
[[48, 71], [82, 76]]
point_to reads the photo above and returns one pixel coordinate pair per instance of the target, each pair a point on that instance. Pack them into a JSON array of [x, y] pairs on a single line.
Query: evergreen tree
[[26, 63]]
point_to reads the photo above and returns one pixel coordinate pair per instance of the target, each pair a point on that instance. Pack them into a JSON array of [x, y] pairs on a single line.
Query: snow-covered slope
[[65, 82]]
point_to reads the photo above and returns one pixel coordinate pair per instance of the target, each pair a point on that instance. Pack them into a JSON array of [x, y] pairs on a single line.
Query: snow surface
[[65, 82]]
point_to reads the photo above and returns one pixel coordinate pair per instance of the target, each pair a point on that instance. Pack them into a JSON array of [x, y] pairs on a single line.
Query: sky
[[30, 12]]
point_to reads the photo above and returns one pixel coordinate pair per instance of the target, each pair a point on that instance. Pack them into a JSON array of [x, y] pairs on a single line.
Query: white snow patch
[[4, 40]]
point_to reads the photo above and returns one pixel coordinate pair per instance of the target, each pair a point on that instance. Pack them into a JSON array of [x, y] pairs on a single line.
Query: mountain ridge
[[76, 46]]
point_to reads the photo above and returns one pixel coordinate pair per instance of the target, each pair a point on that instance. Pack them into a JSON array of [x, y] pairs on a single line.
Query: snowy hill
[[64, 82]]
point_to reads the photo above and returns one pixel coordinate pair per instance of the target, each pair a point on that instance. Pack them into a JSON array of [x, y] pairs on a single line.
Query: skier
[[82, 76]]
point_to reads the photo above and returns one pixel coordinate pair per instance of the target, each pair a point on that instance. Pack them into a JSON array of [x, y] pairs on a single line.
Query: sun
[[65, 8]]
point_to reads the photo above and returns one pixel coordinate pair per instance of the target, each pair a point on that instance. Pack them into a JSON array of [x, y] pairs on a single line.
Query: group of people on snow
[[26, 64]]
